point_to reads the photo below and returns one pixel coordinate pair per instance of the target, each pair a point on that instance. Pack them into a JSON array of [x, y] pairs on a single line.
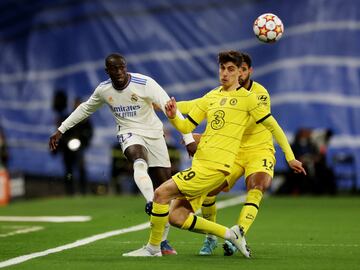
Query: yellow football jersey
[[257, 136], [185, 106], [227, 114]]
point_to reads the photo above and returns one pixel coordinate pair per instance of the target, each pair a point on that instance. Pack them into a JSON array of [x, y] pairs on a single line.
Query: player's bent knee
[[160, 196], [261, 186], [175, 223], [260, 181], [176, 220]]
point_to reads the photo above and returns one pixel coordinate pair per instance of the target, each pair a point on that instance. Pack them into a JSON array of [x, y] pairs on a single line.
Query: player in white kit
[[130, 97]]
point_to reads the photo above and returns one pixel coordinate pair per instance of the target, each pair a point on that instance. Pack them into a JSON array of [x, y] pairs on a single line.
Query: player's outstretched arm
[[170, 108], [172, 112], [186, 106], [272, 125], [54, 140], [183, 125], [296, 166]]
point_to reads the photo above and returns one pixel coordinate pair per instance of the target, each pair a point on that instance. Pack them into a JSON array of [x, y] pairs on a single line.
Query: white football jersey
[[132, 107]]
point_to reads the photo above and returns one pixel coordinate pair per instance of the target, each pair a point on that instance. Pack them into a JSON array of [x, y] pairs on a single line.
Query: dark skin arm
[[54, 140], [191, 148]]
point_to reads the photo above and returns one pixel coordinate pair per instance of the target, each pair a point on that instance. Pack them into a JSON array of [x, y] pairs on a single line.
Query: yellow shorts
[[250, 162], [196, 182]]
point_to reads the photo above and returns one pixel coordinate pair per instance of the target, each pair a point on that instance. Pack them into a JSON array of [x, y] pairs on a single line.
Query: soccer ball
[[268, 28]]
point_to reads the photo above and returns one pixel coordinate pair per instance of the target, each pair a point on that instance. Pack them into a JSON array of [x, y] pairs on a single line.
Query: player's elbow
[[184, 129], [184, 126]]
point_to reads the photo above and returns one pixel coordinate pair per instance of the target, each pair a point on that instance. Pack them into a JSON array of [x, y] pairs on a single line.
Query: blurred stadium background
[[313, 77], [312, 74]]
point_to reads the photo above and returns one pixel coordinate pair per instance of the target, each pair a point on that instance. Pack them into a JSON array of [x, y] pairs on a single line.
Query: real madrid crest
[[134, 98]]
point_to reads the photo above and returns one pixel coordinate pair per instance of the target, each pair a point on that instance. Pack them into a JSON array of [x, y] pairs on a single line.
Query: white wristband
[[188, 138]]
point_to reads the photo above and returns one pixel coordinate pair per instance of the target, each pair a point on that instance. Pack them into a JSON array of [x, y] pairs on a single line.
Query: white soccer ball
[[268, 28]]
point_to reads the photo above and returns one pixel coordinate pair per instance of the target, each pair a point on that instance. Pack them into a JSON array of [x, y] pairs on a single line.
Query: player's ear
[[251, 70]]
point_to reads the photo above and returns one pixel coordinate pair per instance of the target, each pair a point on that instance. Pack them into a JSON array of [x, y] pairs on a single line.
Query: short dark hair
[[115, 56], [247, 59], [230, 56]]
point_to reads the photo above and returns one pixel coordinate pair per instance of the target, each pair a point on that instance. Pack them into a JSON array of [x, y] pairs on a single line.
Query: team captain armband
[[184, 126], [262, 119], [192, 120]]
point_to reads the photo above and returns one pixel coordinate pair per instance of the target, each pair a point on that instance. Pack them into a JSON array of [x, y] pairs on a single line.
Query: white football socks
[[145, 185], [166, 232], [230, 235], [143, 180]]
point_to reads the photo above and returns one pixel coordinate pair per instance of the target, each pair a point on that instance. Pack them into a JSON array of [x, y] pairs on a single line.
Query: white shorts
[[158, 155]]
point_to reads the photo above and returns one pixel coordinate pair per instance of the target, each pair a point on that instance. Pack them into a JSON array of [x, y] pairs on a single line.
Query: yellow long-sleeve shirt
[[227, 114], [256, 136]]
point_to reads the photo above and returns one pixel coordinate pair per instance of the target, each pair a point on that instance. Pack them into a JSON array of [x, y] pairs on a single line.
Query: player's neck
[[231, 87], [247, 84], [122, 85]]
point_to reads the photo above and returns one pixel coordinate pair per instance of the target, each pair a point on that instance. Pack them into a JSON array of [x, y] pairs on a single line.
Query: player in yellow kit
[[227, 109], [255, 160]]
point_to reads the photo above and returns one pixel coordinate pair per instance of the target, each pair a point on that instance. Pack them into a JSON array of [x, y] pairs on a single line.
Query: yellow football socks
[[201, 225], [208, 208], [159, 218], [250, 209]]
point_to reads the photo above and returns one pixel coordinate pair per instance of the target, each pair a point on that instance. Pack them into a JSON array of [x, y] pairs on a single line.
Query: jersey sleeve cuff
[[62, 129]]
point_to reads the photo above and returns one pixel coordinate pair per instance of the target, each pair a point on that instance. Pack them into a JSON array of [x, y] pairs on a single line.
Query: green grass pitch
[[289, 233]]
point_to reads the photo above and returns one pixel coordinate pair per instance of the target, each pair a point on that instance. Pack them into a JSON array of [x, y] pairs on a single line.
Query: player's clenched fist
[[170, 108]]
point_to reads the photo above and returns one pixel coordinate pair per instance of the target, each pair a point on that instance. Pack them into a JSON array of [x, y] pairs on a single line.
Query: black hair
[[230, 56], [115, 56], [247, 59]]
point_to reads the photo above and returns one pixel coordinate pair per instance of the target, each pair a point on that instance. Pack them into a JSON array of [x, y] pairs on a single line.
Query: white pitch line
[[231, 202], [56, 219], [75, 244], [91, 239], [22, 231]]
